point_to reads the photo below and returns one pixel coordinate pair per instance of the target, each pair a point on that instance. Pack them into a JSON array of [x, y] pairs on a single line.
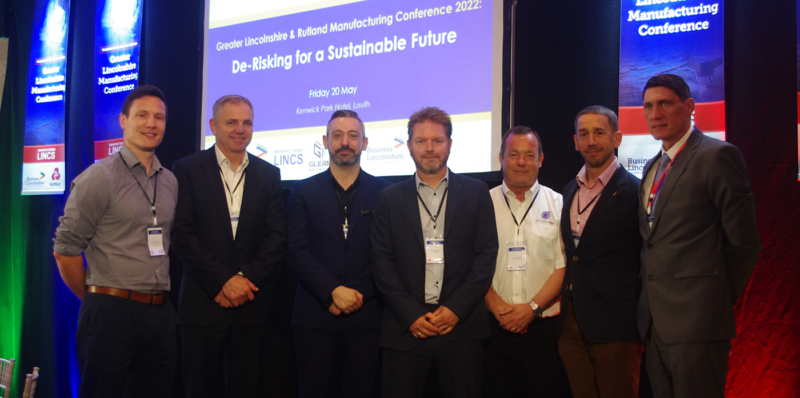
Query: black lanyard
[[587, 206], [436, 217], [526, 211], [225, 180], [155, 190]]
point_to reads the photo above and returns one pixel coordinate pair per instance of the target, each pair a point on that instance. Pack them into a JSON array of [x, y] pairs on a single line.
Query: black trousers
[[125, 348], [686, 370], [339, 360], [459, 365], [221, 360], [523, 365]]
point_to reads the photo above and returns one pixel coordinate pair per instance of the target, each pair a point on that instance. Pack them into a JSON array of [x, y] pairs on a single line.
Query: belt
[[154, 299]]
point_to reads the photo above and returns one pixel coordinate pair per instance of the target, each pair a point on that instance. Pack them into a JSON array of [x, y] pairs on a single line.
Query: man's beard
[[342, 162]]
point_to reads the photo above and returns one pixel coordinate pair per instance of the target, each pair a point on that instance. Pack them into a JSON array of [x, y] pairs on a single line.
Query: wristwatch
[[537, 311]]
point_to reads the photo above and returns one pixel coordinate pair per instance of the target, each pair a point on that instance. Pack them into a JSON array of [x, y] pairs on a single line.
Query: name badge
[[434, 250], [155, 242], [517, 258], [234, 221]]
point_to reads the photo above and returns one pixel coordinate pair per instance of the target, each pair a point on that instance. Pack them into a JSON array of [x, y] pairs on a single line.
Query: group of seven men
[[437, 274]]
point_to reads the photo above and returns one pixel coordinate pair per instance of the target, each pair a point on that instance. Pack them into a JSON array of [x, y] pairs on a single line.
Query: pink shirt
[[587, 193]]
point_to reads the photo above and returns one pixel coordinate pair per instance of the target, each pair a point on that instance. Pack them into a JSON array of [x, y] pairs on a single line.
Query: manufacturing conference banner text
[[43, 152], [116, 69], [684, 38]]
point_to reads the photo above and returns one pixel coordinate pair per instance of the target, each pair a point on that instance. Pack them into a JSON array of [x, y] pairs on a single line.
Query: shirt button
[[575, 258], [650, 277], [649, 246]]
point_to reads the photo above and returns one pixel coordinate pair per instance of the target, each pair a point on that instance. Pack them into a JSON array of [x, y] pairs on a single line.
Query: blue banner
[[118, 30], [43, 153], [684, 38]]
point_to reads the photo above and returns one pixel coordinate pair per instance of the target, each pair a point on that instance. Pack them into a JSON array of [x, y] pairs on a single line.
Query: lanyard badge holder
[[234, 214], [155, 235], [434, 246], [517, 252]]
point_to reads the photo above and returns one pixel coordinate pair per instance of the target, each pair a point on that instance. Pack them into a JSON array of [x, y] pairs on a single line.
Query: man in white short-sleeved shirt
[[521, 358]]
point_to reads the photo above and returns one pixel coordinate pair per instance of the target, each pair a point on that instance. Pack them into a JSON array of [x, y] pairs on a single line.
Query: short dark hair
[[431, 114], [672, 82], [599, 110], [233, 98], [345, 113], [143, 91], [520, 130]]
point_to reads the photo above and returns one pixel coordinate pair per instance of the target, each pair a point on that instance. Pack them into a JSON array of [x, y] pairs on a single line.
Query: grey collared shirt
[[434, 273], [107, 216]]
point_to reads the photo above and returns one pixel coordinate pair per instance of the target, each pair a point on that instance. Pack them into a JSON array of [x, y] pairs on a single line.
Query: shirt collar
[[603, 177], [677, 147], [445, 179], [223, 161], [511, 195], [132, 160]]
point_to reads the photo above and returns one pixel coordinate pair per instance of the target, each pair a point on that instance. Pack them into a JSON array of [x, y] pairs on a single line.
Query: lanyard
[[587, 206], [155, 190], [656, 187], [436, 217], [346, 225], [225, 180], [524, 215]]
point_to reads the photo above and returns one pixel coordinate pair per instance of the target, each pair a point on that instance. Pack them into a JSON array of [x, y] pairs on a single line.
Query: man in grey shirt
[[119, 215]]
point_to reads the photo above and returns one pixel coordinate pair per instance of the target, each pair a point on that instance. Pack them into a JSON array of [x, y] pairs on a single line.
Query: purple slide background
[[455, 77]]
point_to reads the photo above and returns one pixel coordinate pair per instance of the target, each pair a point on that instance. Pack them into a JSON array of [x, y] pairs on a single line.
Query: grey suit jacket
[[702, 246]]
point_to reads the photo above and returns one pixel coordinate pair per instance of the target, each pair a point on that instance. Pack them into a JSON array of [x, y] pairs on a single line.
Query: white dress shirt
[[540, 232], [233, 194]]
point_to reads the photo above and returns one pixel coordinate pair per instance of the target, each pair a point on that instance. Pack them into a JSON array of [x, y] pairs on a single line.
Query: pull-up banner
[[118, 29], [43, 153], [680, 37]]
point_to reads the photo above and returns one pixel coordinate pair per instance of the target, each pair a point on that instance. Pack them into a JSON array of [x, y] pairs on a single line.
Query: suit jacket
[[702, 246], [203, 238], [398, 259], [322, 259], [603, 271]]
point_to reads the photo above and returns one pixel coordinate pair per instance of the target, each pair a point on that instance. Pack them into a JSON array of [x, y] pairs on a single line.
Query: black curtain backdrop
[[566, 59]]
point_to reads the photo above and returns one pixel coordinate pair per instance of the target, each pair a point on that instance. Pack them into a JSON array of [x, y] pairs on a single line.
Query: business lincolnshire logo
[[35, 181], [56, 175], [399, 141], [262, 149]]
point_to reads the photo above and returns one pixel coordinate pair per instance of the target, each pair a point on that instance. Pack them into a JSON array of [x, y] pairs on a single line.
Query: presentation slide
[[683, 38], [300, 61]]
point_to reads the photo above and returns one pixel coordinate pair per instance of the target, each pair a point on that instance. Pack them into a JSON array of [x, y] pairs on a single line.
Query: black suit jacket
[[702, 246], [320, 256], [398, 259], [203, 238], [603, 271]]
